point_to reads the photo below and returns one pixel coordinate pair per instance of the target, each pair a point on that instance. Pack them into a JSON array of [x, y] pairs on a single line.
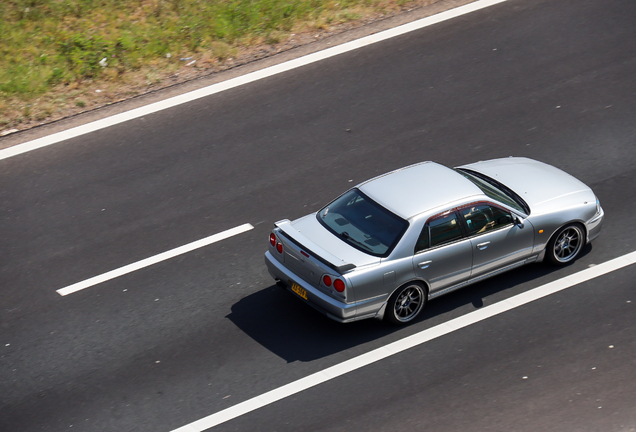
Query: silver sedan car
[[390, 244]]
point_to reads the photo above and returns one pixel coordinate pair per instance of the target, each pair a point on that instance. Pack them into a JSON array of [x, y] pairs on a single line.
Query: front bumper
[[334, 309], [593, 226]]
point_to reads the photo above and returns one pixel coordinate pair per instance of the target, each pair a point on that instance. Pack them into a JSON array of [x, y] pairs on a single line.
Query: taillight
[[279, 247], [272, 239], [339, 285], [326, 280]]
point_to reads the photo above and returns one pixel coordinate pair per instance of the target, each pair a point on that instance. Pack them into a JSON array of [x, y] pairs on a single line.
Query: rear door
[[443, 254]]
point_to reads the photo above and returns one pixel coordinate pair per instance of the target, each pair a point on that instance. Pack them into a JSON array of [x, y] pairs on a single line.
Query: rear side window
[[445, 229], [438, 231]]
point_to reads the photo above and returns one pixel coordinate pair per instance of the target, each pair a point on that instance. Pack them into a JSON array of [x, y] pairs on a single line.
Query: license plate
[[298, 290]]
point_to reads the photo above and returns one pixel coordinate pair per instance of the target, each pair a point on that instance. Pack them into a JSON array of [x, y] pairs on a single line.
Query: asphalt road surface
[[164, 346]]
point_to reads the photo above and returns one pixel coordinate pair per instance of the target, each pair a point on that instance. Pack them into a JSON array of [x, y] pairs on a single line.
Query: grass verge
[[59, 57]]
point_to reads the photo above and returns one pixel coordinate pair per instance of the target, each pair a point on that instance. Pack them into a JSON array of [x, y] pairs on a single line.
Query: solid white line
[[406, 343], [241, 80], [154, 259]]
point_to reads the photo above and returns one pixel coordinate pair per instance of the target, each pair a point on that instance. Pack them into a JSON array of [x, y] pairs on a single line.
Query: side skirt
[[480, 278]]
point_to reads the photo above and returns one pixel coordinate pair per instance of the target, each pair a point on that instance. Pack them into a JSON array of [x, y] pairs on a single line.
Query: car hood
[[544, 187], [312, 235]]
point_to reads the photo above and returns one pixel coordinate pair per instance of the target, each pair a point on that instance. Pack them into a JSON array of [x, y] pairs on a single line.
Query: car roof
[[418, 188]]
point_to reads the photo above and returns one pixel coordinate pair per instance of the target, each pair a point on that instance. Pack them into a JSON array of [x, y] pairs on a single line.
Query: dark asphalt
[[169, 344], [564, 362]]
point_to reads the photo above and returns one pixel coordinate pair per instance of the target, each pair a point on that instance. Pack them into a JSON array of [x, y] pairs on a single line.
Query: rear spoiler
[[312, 248]]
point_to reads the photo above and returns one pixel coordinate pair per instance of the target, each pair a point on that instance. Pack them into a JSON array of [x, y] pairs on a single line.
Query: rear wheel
[[566, 244], [406, 303]]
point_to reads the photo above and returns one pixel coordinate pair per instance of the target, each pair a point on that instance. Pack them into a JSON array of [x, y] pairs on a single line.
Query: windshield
[[495, 190], [363, 223]]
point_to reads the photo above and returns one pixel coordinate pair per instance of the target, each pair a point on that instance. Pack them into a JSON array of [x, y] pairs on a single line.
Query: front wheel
[[406, 303], [566, 244]]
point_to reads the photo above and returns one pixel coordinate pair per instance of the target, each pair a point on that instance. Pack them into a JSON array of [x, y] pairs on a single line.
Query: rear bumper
[[334, 309]]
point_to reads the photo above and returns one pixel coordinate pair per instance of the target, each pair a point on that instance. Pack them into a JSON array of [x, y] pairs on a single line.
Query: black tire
[[566, 244], [406, 303]]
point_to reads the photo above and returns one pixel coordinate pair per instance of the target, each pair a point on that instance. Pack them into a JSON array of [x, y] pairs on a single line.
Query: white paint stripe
[[406, 343], [154, 259], [241, 80]]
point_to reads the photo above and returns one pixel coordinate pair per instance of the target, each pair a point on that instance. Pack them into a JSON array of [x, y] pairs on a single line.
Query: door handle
[[424, 264], [482, 246]]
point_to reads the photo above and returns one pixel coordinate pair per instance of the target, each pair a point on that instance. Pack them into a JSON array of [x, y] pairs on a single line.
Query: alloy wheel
[[568, 244]]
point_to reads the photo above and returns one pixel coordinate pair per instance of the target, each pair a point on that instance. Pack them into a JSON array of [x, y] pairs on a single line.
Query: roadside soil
[[105, 99]]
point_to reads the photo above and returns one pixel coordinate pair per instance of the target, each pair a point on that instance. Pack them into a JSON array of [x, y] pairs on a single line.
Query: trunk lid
[[323, 251]]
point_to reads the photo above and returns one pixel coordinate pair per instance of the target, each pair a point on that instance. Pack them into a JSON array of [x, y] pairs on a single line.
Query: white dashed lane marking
[[153, 260]]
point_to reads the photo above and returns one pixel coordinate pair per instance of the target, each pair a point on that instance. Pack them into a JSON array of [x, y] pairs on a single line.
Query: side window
[[444, 229], [422, 241], [482, 218]]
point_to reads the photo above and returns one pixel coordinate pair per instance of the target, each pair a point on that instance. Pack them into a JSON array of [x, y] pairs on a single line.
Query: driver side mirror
[[518, 220]]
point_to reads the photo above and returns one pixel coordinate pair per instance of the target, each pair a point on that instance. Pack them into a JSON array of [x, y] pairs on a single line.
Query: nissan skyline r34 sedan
[[390, 244]]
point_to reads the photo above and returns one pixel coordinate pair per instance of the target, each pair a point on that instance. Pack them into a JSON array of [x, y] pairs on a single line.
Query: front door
[[496, 241]]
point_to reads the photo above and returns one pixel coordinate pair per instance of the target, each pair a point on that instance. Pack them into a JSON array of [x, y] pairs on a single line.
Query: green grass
[[50, 47], [44, 43]]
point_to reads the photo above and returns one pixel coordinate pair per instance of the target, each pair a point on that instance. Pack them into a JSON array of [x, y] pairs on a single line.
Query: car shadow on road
[[294, 331]]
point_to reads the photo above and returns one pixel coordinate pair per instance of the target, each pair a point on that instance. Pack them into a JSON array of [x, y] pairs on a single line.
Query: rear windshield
[[363, 223]]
